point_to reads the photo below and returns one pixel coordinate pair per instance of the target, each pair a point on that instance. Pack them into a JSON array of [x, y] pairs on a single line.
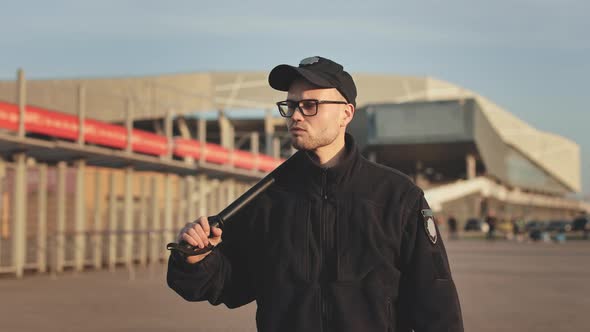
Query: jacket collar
[[339, 173]]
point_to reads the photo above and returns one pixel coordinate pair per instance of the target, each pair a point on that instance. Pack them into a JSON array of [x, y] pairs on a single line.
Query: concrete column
[[269, 131], [245, 186], [182, 205], [226, 131], [203, 189], [227, 193], [168, 231], [80, 222], [143, 226], [60, 238], [20, 215], [21, 101], [255, 143], [212, 198], [227, 137], [276, 147], [97, 235], [168, 129], [470, 166], [81, 113], [3, 228], [213, 207], [128, 208], [231, 191], [42, 220], [221, 196], [191, 210], [156, 229], [183, 128], [202, 138], [255, 147], [129, 124], [238, 189], [113, 216]]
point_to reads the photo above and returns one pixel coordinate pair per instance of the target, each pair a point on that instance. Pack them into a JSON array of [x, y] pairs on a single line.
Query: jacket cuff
[[209, 264]]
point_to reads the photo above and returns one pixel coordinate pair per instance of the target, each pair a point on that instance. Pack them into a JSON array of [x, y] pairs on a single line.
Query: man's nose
[[297, 115]]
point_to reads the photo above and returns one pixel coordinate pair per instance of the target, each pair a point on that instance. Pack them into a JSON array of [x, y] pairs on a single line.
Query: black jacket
[[338, 249]]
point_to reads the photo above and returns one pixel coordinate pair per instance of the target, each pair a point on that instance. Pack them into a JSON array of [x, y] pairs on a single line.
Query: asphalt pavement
[[503, 286]]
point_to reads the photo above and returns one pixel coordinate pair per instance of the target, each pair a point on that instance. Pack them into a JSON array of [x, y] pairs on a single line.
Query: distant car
[[476, 225], [534, 225], [560, 226], [580, 224]]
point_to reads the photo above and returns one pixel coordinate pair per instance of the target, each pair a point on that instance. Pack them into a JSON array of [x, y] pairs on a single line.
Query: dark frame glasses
[[307, 107]]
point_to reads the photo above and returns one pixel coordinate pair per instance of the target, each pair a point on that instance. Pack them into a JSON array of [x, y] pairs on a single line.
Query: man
[[452, 223], [491, 220], [337, 243]]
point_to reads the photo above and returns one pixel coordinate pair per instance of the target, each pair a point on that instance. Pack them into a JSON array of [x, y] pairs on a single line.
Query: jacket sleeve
[[428, 297], [225, 275]]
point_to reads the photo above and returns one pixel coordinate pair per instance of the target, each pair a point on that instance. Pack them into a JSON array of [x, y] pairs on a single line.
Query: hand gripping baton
[[219, 219]]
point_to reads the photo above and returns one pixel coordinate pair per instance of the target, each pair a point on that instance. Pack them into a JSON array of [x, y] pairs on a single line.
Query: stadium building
[[172, 147]]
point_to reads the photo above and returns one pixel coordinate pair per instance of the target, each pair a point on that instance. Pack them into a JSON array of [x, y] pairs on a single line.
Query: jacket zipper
[[307, 243], [323, 238]]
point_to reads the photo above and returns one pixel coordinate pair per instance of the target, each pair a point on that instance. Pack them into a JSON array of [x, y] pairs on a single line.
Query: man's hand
[[197, 234]]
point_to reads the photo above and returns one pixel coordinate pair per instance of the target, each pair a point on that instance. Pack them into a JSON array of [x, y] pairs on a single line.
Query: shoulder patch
[[429, 226]]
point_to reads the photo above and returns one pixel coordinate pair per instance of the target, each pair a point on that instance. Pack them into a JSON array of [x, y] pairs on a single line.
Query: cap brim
[[282, 76]]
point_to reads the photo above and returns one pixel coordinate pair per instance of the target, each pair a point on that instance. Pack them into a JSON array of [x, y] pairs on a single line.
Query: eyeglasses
[[307, 107]]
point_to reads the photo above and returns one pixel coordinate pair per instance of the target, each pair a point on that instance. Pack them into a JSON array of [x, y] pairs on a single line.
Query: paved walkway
[[503, 287]]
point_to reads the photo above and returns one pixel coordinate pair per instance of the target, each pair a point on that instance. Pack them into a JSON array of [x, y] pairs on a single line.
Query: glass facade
[[523, 173]]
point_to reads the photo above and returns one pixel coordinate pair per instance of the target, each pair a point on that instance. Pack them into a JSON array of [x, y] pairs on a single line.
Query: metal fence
[[74, 217]]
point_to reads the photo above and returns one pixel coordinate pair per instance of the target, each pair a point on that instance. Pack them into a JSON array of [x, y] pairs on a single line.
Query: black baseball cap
[[319, 71]]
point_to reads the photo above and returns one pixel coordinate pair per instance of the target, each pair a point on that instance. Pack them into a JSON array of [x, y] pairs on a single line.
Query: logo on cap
[[309, 61]]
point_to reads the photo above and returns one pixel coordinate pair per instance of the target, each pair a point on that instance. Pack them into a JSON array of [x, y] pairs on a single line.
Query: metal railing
[[124, 223]]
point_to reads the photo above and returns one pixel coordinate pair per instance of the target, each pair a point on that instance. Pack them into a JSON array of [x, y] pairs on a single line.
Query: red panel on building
[[216, 154], [187, 148], [65, 126], [244, 159]]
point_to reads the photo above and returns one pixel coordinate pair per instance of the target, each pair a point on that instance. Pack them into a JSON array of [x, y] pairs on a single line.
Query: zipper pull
[[324, 182]]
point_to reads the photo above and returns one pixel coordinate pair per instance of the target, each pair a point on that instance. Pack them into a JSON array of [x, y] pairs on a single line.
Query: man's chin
[[298, 143]]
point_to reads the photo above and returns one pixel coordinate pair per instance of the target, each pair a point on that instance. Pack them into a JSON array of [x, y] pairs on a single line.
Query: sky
[[531, 57]]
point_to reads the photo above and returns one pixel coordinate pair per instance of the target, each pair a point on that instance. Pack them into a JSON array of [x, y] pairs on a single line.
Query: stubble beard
[[311, 143]]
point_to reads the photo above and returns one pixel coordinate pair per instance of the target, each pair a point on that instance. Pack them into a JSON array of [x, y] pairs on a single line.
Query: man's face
[[322, 129]]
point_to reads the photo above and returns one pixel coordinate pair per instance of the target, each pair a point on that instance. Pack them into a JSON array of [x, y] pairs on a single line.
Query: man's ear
[[347, 115]]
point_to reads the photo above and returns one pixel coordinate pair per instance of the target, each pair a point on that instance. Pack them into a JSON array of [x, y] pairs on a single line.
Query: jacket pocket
[[356, 306]]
